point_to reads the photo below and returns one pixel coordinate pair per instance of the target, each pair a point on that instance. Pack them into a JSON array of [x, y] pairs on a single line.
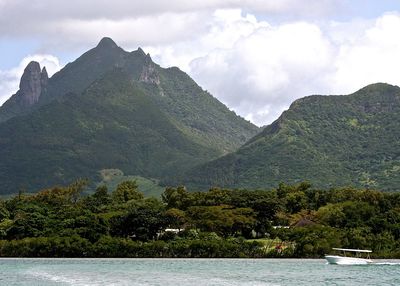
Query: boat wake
[[386, 263]]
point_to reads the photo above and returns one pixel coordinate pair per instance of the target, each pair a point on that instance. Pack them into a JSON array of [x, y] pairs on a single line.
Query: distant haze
[[254, 56]]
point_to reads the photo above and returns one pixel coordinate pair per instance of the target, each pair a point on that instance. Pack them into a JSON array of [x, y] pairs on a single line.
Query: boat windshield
[[356, 252]]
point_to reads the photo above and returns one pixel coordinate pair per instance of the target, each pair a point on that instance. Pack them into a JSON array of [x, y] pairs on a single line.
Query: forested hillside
[[350, 140], [111, 109]]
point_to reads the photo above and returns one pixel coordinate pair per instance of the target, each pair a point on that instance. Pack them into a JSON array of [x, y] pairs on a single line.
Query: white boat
[[355, 258]]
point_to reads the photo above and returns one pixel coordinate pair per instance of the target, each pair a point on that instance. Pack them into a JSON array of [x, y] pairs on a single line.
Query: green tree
[[175, 218], [126, 191], [295, 201], [143, 220], [332, 215], [224, 220], [100, 198], [31, 221], [178, 198], [4, 213]]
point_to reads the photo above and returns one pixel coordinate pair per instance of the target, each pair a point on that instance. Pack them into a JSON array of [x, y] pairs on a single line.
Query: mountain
[[33, 83], [327, 140], [111, 109]]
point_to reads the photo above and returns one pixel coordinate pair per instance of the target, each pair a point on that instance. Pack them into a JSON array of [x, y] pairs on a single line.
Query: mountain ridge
[[328, 140], [37, 152]]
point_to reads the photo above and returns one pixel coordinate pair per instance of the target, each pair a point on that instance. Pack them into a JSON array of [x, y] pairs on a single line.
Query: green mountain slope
[[328, 140], [111, 109], [112, 177], [113, 124], [196, 111]]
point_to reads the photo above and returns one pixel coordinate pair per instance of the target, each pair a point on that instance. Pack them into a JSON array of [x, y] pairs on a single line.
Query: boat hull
[[342, 260]]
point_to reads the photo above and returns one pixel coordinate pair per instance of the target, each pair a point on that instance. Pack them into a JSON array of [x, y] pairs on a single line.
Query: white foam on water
[[42, 275], [152, 272], [386, 263], [82, 280], [200, 282]]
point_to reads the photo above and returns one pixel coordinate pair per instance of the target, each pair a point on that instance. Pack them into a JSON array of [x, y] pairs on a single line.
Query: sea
[[197, 272]]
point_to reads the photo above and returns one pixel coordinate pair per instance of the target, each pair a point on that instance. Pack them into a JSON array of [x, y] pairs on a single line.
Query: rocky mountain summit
[[111, 109], [33, 82]]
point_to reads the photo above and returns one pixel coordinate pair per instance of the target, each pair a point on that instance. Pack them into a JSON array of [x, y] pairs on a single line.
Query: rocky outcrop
[[33, 82], [149, 72]]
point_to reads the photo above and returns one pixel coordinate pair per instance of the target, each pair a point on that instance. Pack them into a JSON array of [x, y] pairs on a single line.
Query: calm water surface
[[196, 272]]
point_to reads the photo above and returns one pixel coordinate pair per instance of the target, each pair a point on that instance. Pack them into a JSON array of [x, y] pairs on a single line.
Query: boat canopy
[[353, 250]]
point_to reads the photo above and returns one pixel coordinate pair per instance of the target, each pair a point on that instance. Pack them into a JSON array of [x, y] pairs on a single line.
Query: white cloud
[[8, 85], [372, 56], [258, 69], [9, 79], [136, 23], [263, 71], [223, 29], [122, 9], [254, 65], [159, 29]]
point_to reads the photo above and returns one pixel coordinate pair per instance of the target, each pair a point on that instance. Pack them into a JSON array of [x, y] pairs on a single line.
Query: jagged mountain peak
[[33, 66], [33, 81], [140, 54], [105, 50], [112, 108], [140, 51], [107, 42], [44, 72]]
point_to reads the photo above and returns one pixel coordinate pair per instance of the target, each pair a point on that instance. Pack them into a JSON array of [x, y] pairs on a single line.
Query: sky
[[256, 56]]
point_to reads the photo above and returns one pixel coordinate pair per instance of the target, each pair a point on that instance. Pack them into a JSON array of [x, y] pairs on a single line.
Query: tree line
[[301, 220]]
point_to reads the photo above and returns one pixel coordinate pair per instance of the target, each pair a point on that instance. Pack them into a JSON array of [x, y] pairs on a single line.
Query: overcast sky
[[256, 56]]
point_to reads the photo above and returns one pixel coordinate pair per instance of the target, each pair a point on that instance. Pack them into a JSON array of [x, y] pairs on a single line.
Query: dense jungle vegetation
[[289, 221], [332, 141]]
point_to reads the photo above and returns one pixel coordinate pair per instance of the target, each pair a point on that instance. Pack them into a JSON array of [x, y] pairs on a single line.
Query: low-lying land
[[289, 221]]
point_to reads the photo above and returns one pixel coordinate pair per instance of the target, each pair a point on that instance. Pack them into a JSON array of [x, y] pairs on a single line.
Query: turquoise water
[[198, 272]]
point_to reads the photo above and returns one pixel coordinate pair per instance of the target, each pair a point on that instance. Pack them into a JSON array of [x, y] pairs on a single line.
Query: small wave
[[51, 277], [386, 263], [44, 276]]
